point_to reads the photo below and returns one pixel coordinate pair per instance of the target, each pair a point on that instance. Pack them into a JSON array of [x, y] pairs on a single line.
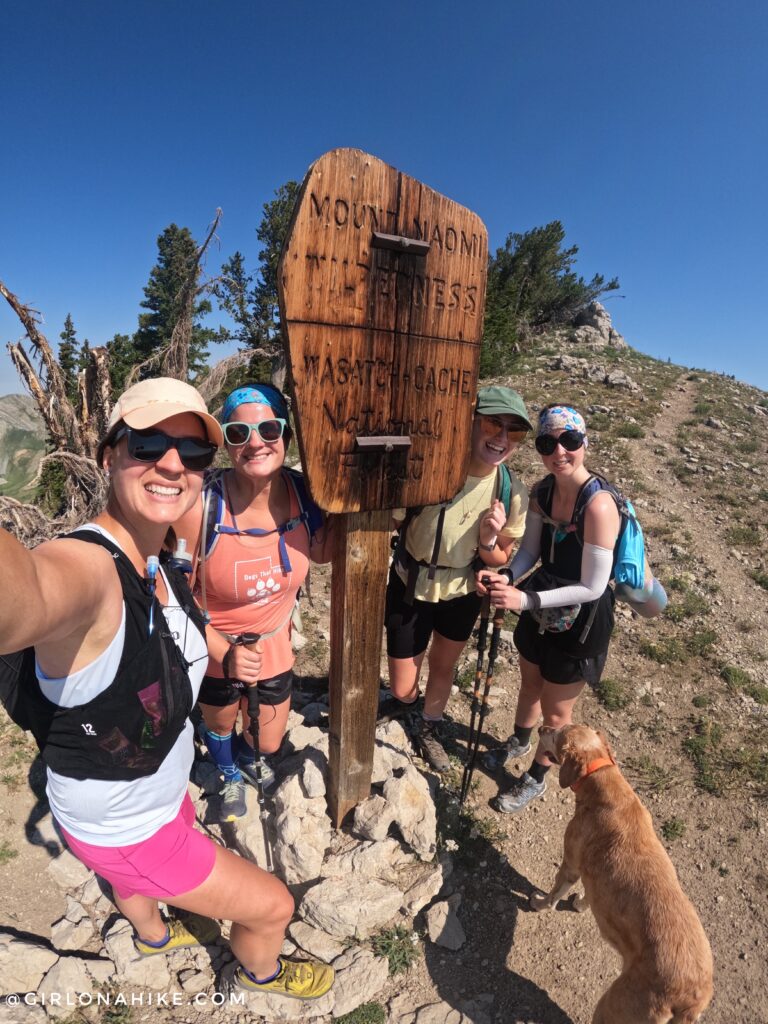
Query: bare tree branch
[[57, 411], [175, 361]]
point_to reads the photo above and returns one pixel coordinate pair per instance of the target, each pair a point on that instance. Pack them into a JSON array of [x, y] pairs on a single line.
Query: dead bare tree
[[75, 432]]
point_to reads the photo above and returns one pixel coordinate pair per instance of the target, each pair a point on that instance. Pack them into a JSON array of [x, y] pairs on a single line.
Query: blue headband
[[264, 394]]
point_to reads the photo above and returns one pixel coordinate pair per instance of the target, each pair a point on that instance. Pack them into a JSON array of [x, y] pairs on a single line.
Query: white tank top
[[122, 813]]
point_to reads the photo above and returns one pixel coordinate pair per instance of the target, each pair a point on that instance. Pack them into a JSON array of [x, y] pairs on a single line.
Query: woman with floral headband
[[260, 530], [566, 610]]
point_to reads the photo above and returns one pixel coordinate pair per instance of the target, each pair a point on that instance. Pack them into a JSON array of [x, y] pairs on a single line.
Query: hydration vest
[[127, 730]]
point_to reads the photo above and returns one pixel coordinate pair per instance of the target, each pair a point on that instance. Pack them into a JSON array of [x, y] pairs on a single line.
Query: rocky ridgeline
[[380, 871]]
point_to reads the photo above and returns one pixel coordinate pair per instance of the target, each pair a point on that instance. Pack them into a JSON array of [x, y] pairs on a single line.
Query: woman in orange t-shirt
[[252, 572]]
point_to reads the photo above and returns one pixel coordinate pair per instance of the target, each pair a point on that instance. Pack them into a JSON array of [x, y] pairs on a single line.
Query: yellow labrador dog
[[632, 888]]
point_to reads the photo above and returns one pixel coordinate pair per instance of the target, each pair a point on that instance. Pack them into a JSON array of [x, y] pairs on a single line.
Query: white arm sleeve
[[529, 552], [596, 565]]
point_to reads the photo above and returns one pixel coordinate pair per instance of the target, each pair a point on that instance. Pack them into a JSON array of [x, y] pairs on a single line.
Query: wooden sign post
[[382, 293]]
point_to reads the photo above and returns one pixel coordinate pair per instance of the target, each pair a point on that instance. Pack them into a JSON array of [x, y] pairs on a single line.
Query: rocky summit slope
[[22, 443], [684, 701]]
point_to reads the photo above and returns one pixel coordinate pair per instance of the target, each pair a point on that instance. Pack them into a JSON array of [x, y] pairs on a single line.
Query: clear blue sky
[[642, 127]]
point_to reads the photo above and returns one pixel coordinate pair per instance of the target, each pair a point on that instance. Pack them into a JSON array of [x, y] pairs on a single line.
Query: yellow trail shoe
[[299, 979], [192, 931]]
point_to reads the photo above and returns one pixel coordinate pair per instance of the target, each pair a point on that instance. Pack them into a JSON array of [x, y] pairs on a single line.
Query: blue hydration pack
[[629, 552]]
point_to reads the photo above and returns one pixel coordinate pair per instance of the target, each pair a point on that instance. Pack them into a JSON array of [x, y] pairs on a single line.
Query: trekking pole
[[252, 693], [498, 622], [482, 638]]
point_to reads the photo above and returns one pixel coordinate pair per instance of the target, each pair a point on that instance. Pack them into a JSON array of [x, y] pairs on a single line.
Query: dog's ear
[[572, 763], [606, 744]]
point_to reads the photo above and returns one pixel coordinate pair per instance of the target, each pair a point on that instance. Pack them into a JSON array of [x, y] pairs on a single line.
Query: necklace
[[465, 512]]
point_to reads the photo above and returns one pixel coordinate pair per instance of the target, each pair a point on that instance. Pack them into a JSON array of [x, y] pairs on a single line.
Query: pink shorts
[[173, 861]]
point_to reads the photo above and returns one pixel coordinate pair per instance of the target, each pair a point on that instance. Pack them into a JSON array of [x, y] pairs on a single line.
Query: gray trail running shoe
[[497, 758], [248, 771], [428, 738], [233, 805], [518, 796]]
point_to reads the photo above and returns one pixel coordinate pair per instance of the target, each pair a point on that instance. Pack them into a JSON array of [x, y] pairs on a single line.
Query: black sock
[[522, 735], [538, 771]]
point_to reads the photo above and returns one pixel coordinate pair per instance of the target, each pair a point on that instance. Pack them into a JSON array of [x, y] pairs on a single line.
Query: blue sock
[[243, 750], [220, 749], [266, 981]]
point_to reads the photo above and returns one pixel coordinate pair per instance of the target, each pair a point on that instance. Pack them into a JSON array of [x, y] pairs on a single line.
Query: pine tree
[[84, 356], [177, 253], [532, 287], [122, 359], [68, 358]]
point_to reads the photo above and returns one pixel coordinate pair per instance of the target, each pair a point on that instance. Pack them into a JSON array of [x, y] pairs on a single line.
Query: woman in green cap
[[431, 591]]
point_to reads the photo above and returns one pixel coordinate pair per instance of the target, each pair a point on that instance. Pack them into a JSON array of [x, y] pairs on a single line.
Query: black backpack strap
[[543, 493]]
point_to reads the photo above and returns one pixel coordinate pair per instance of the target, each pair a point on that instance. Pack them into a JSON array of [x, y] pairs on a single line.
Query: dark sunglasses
[[270, 431], [150, 445], [570, 440]]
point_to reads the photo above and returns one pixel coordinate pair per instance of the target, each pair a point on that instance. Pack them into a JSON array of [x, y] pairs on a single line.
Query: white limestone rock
[[75, 911], [373, 818], [413, 811], [149, 972], [68, 975], [21, 1014], [68, 872], [359, 977], [315, 942], [382, 859], [423, 884], [350, 906], [444, 926], [193, 981], [23, 965], [313, 779], [72, 935], [302, 829], [391, 753]]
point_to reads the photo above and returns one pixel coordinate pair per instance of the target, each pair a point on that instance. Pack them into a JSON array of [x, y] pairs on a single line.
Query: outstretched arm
[[63, 594]]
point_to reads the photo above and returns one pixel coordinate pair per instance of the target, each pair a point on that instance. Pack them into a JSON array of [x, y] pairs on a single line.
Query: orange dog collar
[[593, 766]]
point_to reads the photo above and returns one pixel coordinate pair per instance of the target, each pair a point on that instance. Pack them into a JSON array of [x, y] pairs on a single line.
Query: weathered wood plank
[[381, 342], [357, 611]]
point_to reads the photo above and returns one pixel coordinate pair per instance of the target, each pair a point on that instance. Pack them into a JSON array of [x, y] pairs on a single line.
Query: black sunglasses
[[270, 431], [570, 440], [150, 445]]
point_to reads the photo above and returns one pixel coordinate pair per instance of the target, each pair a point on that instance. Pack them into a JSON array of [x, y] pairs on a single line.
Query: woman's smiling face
[[160, 491], [495, 437], [256, 459], [562, 462]]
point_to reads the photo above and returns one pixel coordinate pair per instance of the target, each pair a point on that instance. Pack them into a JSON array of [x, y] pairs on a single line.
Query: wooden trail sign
[[382, 295]]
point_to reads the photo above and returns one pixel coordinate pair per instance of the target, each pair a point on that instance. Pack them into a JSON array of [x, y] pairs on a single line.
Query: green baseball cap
[[499, 401]]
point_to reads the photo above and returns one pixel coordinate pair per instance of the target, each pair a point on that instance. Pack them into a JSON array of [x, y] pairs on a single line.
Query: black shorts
[[409, 626], [555, 664], [220, 693]]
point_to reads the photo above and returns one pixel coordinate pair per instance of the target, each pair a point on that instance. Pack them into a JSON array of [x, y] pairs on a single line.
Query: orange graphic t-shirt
[[248, 590]]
